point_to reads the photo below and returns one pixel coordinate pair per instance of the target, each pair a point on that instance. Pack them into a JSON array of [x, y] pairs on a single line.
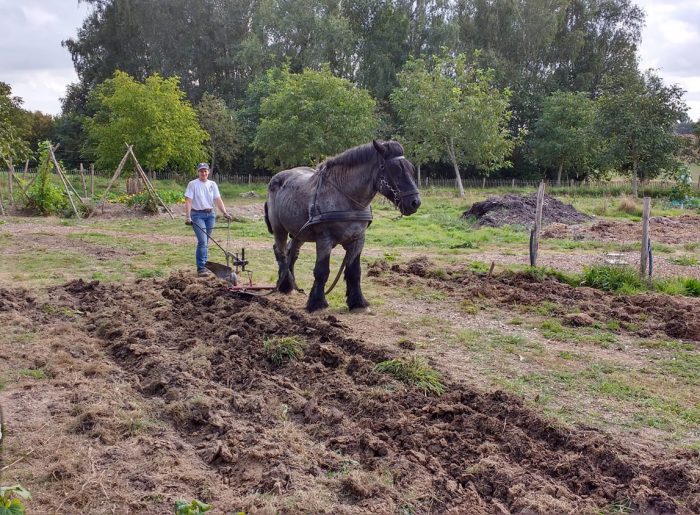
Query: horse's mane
[[362, 154]]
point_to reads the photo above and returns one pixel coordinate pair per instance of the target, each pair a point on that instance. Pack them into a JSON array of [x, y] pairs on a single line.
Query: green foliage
[[622, 279], [309, 116], [195, 507], [12, 145], [11, 500], [563, 135], [281, 350], [635, 118], [413, 371], [683, 188], [453, 110], [44, 197], [154, 117], [225, 136]]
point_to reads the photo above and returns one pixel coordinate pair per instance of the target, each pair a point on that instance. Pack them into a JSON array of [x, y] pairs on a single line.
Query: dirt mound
[[520, 210], [325, 434]]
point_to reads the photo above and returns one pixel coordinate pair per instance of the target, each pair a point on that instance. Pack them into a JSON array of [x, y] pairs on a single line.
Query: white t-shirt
[[202, 194]]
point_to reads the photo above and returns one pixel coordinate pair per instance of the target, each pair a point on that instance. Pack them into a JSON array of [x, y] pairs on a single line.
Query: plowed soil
[[161, 389]]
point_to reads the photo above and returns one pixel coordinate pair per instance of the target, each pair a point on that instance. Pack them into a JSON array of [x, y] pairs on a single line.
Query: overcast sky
[[38, 68]]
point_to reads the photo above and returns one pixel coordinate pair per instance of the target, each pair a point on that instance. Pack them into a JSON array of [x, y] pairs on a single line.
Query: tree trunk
[[453, 158], [561, 166], [634, 180], [418, 172]]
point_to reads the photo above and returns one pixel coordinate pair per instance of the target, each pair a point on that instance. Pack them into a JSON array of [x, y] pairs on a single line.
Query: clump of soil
[[520, 210], [164, 391]]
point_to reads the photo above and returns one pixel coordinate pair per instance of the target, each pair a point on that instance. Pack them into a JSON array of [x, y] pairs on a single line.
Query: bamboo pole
[[63, 176], [117, 173], [149, 185], [535, 234], [65, 186], [643, 262]]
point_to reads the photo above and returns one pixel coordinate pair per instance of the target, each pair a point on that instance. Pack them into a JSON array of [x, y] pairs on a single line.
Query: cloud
[[670, 44]]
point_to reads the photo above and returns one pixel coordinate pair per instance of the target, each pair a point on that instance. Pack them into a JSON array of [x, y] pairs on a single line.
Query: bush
[[44, 197]]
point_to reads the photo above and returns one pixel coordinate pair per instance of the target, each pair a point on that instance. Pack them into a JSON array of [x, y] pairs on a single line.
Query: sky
[[38, 68]]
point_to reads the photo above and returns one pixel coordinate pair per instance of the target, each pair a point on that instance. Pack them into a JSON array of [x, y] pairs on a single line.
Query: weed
[[35, 373], [684, 260], [413, 371], [146, 273], [192, 508], [279, 350], [469, 306], [10, 499], [613, 278]]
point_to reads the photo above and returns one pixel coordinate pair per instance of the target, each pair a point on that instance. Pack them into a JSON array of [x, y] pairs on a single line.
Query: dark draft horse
[[331, 206]]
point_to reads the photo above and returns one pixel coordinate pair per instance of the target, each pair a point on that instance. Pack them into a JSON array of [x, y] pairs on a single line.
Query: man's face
[[203, 174]]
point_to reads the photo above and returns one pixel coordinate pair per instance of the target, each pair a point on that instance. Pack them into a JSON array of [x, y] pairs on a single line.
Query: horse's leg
[[353, 273], [317, 297], [284, 285], [292, 256]]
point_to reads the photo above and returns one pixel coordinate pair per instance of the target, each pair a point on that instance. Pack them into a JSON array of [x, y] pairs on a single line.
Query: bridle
[[382, 181]]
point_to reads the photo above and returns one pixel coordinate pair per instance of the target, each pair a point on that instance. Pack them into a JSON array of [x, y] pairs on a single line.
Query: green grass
[[413, 371], [283, 350], [684, 260]]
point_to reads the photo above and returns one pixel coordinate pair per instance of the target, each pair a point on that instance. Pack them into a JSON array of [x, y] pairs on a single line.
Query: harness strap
[[337, 216]]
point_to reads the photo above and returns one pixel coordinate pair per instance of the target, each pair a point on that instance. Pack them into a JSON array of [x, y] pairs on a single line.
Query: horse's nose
[[415, 204]]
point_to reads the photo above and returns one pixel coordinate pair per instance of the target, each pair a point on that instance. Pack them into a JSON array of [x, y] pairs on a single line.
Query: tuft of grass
[[620, 279], [629, 206], [413, 371], [34, 373], [684, 260], [687, 286], [281, 350]]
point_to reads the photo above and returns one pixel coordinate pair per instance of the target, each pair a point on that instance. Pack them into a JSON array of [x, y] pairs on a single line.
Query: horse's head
[[395, 177]]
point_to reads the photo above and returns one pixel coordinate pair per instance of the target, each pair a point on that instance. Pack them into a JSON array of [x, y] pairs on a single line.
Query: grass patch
[[684, 260], [34, 373], [619, 279], [282, 350], [413, 371]]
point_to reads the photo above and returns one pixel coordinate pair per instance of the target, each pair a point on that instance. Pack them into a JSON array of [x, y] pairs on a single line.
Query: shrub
[[192, 508], [415, 372], [629, 205], [44, 197]]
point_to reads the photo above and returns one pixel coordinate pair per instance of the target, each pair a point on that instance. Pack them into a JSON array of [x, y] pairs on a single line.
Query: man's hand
[[188, 222], [228, 216]]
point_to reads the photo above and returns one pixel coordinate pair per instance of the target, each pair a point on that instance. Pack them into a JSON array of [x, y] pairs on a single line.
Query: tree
[[563, 135], [455, 108], [13, 147], [312, 115], [225, 138], [635, 117], [153, 116]]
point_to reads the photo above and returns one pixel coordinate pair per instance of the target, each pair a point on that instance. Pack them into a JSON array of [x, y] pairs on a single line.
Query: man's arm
[[188, 210], [220, 204]]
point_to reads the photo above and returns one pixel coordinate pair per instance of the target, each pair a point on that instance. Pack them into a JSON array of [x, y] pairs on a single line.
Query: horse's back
[[288, 196]]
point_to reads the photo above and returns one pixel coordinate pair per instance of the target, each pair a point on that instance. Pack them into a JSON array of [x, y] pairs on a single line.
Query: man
[[200, 197]]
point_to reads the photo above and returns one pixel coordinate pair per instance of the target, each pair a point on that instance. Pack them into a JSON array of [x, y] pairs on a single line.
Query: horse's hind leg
[[284, 284], [353, 273], [317, 297], [292, 256]]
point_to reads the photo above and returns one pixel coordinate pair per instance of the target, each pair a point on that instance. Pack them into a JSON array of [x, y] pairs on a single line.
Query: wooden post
[[82, 176], [52, 159], [10, 177], [645, 237], [250, 180], [2, 207], [535, 234], [62, 174], [92, 179], [26, 169], [483, 183], [512, 185]]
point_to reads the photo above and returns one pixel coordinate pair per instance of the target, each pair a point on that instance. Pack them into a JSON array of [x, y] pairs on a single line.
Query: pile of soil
[[325, 434], [520, 210]]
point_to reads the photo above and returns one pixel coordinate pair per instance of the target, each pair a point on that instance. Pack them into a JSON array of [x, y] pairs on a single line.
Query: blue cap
[[202, 166]]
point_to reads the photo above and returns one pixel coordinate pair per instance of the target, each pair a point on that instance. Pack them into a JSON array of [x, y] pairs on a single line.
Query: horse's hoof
[[316, 306], [362, 311]]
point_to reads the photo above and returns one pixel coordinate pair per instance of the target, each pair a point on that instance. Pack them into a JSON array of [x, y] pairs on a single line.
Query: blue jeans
[[203, 222]]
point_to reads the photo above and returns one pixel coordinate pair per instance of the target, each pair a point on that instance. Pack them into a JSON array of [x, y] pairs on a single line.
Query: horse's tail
[[267, 220]]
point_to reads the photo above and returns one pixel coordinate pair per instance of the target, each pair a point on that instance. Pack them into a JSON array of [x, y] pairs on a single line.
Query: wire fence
[[612, 186]]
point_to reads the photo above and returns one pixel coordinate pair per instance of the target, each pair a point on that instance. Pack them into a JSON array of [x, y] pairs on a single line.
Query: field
[[128, 383]]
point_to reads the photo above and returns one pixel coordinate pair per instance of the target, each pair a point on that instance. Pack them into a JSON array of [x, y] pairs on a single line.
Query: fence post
[[250, 179], [513, 184], [92, 179], [483, 183], [82, 176], [535, 234], [645, 237]]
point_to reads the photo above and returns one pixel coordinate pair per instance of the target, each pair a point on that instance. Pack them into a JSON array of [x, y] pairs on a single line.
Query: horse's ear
[[379, 147]]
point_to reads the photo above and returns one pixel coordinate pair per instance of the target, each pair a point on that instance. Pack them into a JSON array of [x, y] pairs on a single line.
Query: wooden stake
[[645, 237], [52, 158], [82, 176], [26, 169], [92, 179], [535, 234], [10, 177]]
